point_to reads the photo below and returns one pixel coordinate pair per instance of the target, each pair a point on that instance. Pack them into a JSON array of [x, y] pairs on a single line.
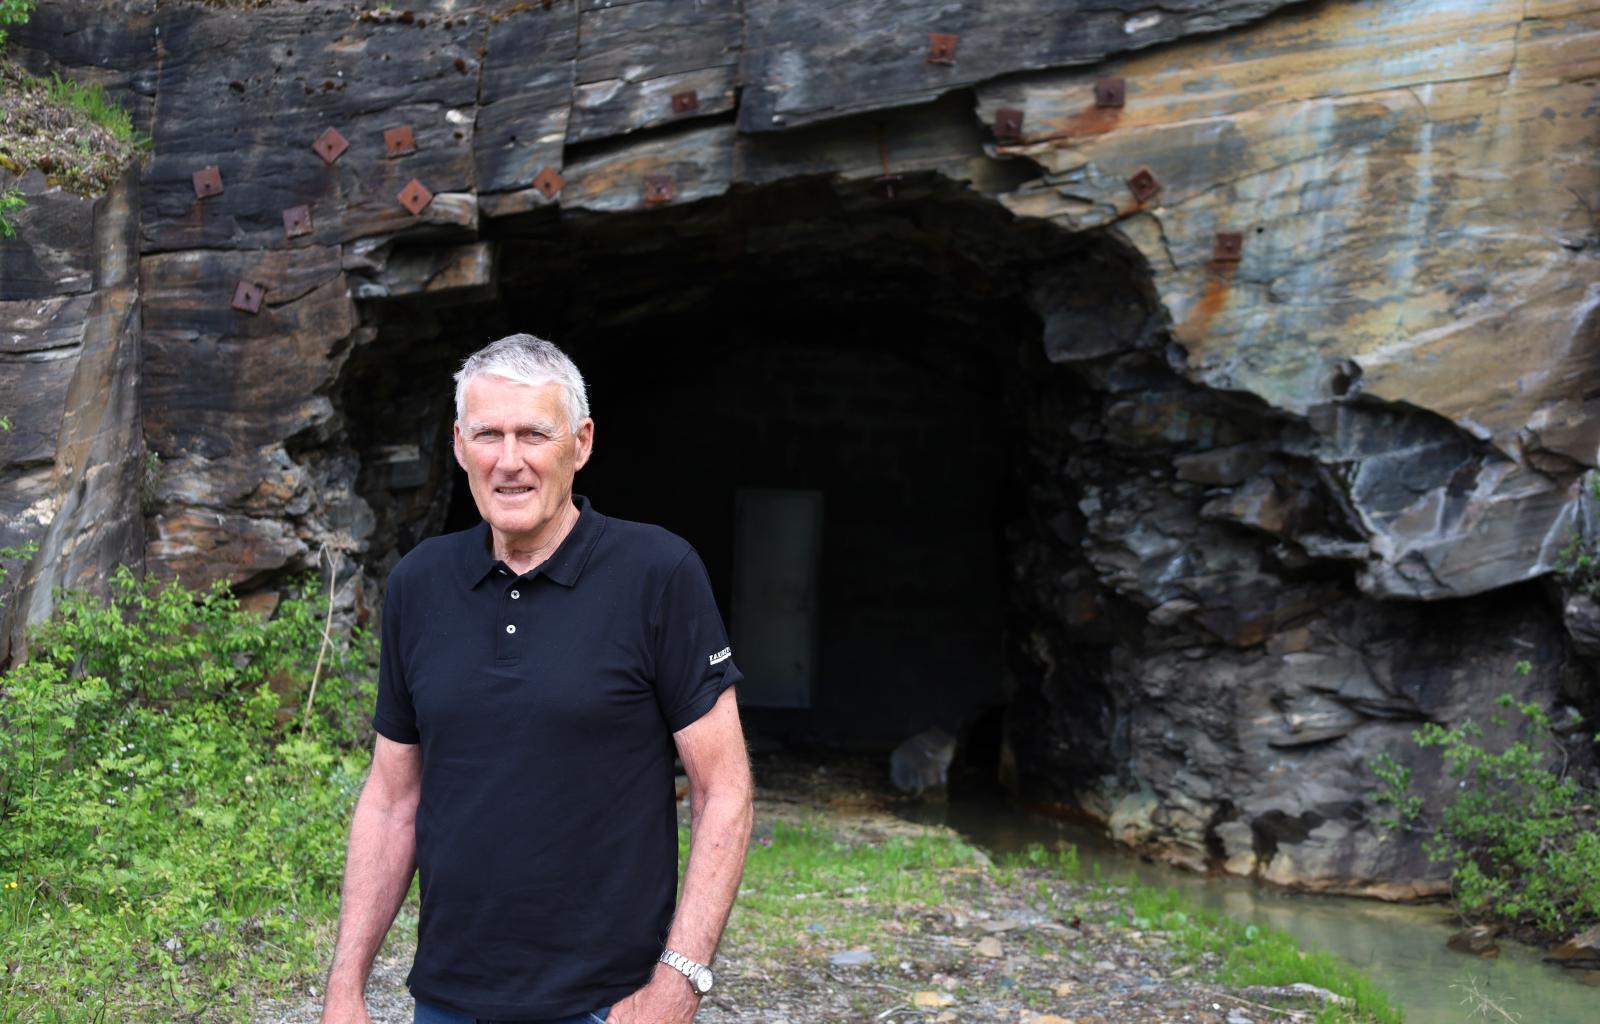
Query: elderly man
[[537, 672]]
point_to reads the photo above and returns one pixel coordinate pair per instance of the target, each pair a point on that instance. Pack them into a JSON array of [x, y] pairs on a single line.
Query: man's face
[[520, 455]]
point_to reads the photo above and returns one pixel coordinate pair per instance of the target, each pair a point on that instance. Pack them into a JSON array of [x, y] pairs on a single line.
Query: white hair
[[526, 360]]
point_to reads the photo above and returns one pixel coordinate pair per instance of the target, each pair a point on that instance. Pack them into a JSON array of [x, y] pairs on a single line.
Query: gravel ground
[[1000, 949]]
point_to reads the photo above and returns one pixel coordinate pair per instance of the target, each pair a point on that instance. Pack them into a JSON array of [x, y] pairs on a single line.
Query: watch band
[[699, 974]]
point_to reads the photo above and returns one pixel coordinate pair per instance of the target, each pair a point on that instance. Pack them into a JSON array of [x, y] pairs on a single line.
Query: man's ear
[[585, 438], [461, 455]]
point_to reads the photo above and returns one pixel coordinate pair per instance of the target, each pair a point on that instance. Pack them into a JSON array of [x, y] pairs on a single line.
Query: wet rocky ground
[[1002, 943]]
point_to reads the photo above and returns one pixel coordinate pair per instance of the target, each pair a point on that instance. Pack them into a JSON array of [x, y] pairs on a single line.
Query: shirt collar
[[564, 565]]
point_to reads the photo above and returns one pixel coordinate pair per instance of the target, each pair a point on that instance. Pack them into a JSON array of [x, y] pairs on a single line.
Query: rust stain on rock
[[1091, 120], [1219, 283]]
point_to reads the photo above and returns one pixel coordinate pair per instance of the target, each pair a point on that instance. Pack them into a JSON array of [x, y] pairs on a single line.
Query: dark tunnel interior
[[827, 393]]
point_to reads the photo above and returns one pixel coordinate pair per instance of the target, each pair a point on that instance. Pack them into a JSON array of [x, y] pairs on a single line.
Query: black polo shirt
[[545, 705]]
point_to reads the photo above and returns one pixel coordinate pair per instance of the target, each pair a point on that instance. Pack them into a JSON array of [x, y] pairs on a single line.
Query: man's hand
[[347, 1011], [668, 998]]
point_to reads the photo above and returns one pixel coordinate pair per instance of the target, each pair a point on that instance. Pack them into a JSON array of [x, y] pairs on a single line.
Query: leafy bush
[[1519, 834], [170, 825], [11, 202], [13, 12]]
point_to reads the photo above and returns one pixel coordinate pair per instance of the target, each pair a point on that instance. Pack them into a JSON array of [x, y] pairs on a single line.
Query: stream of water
[[1401, 947]]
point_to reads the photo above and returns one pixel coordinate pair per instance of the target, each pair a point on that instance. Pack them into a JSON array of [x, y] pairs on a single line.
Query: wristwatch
[[699, 975]]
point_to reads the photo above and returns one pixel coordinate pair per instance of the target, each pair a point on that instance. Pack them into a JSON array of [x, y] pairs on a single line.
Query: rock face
[[1306, 423], [73, 458]]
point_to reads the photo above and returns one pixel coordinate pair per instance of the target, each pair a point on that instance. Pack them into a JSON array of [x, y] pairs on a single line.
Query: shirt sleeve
[[395, 716], [694, 661]]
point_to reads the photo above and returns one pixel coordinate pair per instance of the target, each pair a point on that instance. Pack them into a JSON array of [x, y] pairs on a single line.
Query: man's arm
[[714, 757], [377, 874]]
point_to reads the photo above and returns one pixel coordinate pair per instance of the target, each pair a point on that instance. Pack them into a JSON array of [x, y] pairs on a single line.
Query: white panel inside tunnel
[[777, 551]]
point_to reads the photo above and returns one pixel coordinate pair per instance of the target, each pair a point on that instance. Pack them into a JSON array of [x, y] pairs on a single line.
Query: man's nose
[[508, 455]]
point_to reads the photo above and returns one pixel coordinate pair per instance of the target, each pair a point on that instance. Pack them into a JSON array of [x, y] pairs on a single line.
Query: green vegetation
[[1519, 834], [171, 826], [75, 134], [11, 201], [1578, 563], [848, 885], [13, 12], [1253, 955], [92, 101]]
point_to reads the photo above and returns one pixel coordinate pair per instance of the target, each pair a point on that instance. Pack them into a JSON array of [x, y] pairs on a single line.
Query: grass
[[804, 885], [78, 136], [91, 100], [1253, 955]]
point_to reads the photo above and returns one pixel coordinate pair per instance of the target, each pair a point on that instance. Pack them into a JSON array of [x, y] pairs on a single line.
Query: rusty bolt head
[[1008, 125], [1229, 247], [399, 141], [658, 188], [415, 197], [247, 297], [548, 182], [942, 47], [686, 102], [1144, 185], [207, 182], [1110, 92], [296, 221], [330, 145]]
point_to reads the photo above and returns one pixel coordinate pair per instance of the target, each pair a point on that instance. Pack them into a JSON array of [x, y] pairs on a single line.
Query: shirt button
[[511, 629], [515, 595]]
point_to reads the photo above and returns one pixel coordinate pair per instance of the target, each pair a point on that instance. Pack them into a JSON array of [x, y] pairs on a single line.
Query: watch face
[[702, 980]]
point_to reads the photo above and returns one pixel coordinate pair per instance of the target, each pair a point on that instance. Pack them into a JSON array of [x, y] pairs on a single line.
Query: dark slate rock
[[527, 89], [249, 91], [632, 58], [808, 62]]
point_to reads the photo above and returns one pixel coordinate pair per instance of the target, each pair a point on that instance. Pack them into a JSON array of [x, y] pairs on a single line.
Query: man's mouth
[[512, 491]]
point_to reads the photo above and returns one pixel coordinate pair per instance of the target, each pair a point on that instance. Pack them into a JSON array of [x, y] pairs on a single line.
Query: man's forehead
[[489, 395]]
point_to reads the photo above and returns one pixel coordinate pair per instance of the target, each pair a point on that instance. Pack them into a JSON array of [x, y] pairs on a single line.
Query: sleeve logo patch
[[722, 655]]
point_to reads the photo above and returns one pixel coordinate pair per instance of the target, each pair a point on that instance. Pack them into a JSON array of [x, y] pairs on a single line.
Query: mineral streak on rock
[[1280, 508]]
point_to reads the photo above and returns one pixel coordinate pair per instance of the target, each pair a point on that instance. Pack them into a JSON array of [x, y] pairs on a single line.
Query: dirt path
[[1015, 945]]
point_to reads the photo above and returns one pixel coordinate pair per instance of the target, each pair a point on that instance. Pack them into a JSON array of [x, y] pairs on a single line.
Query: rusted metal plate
[[207, 182], [686, 102], [296, 221], [1008, 125], [1229, 247], [942, 47], [1144, 185], [330, 145], [658, 188], [415, 197], [247, 297], [1110, 92], [548, 182], [399, 140]]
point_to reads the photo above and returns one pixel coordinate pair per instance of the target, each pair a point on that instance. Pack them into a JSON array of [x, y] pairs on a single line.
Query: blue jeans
[[427, 1013]]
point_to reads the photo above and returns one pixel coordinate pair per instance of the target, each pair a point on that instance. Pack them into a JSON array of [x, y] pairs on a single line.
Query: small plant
[[1519, 832], [11, 202], [14, 12], [95, 104]]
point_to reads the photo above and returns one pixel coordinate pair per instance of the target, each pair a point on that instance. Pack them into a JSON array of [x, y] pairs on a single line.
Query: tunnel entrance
[[836, 397]]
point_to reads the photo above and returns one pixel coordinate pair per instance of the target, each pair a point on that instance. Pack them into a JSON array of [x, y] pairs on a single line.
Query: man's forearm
[[377, 875], [718, 838]]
